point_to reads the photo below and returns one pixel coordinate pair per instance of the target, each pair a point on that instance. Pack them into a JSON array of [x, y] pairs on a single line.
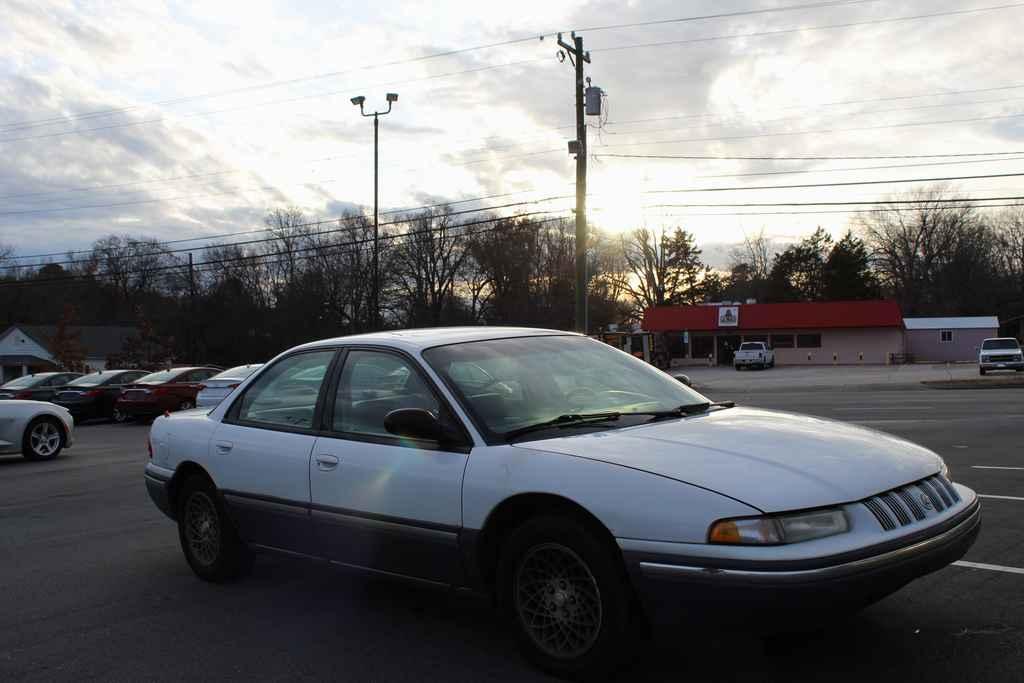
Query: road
[[95, 587]]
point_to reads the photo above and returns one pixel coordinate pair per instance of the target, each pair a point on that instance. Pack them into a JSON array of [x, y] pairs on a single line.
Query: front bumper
[[672, 592], [1002, 365]]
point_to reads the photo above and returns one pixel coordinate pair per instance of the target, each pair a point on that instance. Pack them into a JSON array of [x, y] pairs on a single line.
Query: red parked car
[[167, 390]]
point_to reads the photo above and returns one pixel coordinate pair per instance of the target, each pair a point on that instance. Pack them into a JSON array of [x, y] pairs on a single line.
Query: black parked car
[[38, 387], [94, 395]]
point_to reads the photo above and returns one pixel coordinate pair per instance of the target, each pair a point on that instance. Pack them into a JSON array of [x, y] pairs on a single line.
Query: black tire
[[597, 590], [981, 371], [208, 536], [738, 368], [119, 416], [186, 404], [38, 441]]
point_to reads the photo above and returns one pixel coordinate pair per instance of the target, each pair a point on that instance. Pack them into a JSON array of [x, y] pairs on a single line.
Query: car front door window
[[372, 385]]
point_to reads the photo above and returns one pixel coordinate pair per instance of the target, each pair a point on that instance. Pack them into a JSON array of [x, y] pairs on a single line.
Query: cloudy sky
[[177, 120]]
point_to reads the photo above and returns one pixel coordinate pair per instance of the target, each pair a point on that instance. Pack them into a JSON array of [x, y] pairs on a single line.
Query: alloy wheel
[[44, 439], [202, 528], [558, 601]]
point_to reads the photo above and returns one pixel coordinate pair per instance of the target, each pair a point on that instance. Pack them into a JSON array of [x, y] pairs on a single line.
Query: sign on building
[[728, 316]]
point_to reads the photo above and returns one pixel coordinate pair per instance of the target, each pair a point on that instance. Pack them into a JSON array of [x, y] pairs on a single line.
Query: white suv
[[1000, 353]]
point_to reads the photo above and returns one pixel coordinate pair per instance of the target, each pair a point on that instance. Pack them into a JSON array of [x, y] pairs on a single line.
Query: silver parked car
[[213, 390], [36, 429], [580, 488]]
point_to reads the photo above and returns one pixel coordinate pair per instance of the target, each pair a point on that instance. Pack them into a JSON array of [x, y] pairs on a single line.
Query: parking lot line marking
[[983, 495], [994, 467], [990, 567]]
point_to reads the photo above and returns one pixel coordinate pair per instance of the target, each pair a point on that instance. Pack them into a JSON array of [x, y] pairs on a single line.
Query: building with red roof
[[815, 333]]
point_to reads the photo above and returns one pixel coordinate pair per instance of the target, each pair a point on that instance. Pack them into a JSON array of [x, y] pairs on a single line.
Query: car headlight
[[779, 529]]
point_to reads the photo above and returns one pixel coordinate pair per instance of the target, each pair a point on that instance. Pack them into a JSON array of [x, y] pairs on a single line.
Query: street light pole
[[358, 101]]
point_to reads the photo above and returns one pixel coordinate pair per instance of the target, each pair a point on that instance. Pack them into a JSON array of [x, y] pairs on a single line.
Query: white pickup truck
[[754, 354]]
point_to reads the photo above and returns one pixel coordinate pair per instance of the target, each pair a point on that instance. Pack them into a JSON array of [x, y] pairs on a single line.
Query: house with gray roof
[[27, 348], [948, 339]]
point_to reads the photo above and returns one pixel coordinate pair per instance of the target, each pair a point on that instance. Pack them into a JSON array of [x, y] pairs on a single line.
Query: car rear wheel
[[567, 597], [43, 439], [981, 371], [118, 416], [208, 538]]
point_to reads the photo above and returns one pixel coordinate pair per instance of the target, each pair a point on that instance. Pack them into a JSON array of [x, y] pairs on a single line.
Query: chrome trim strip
[[657, 570]]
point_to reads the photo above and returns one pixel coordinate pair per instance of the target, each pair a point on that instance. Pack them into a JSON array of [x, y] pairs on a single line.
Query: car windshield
[[159, 377], [751, 346], [25, 381], [237, 373], [508, 384], [93, 380], [1000, 345]]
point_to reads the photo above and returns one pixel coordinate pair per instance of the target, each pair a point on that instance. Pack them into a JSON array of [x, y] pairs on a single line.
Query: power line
[[829, 211], [886, 202], [718, 157], [165, 252], [863, 168], [837, 103], [298, 98], [850, 24], [488, 148], [815, 132], [734, 122], [259, 230], [839, 184], [204, 266], [436, 55]]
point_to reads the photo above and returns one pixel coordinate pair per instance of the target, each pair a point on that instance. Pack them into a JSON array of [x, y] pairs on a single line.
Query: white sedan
[[36, 429], [579, 487], [213, 390]]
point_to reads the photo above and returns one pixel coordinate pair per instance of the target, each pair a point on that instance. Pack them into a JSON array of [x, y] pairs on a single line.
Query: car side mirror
[[417, 423]]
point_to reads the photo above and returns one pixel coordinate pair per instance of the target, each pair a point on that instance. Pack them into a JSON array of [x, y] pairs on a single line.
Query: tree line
[[247, 300]]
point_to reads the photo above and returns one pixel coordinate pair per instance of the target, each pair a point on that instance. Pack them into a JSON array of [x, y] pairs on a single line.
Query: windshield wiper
[[571, 419], [565, 420], [687, 409]]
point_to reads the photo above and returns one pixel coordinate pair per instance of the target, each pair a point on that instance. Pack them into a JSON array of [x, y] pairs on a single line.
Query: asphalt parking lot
[[95, 587]]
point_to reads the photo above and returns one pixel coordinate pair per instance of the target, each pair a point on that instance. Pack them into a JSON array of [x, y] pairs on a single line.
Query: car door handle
[[224, 447], [326, 462]]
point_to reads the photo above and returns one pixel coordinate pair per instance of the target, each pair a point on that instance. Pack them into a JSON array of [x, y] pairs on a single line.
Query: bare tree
[[911, 248], [662, 268], [428, 262]]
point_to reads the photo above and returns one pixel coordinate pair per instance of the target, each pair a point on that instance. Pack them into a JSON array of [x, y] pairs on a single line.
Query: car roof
[[425, 338]]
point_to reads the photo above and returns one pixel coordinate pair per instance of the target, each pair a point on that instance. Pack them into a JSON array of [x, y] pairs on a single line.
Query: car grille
[[1001, 359], [905, 505]]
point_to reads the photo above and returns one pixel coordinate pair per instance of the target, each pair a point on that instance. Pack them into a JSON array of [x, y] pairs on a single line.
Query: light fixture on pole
[[359, 101]]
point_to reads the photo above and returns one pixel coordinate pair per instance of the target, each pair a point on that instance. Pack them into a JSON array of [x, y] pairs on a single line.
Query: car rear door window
[[286, 394], [373, 384]]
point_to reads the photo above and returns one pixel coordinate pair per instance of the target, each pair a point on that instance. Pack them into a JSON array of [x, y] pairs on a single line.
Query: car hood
[[770, 460]]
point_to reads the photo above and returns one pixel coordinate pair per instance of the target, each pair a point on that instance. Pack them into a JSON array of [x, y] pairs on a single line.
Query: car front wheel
[[567, 596], [208, 538], [43, 439], [186, 404]]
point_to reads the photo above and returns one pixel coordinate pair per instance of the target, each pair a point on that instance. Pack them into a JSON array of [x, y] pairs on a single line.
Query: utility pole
[[192, 310], [577, 57], [358, 101]]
